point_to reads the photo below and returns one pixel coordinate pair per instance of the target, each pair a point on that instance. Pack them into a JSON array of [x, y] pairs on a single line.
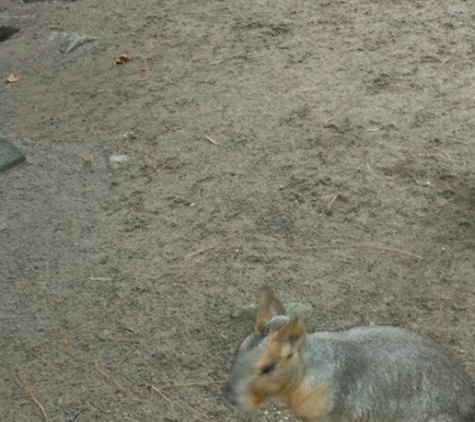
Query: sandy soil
[[342, 175]]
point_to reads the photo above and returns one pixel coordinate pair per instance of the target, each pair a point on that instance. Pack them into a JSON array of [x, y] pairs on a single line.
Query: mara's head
[[267, 362]]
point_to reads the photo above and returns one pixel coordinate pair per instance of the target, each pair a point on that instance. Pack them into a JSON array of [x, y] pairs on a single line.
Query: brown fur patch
[[306, 404], [273, 346]]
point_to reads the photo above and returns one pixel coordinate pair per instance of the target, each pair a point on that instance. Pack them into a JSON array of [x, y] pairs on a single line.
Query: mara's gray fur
[[365, 374], [388, 374]]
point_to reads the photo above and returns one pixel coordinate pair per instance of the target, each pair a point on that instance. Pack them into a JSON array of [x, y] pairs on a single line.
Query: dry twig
[[376, 175]]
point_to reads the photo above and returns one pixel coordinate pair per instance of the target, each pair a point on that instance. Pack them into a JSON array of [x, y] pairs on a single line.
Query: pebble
[[6, 31], [118, 159]]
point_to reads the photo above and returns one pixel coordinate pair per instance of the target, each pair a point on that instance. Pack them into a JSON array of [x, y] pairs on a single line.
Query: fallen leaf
[[11, 78], [122, 58], [65, 341], [212, 140]]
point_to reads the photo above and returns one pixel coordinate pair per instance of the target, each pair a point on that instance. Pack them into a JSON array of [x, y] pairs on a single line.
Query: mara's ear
[[268, 306], [290, 337]]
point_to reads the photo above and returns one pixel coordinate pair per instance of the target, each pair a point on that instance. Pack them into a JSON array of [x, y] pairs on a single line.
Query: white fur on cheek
[[286, 349]]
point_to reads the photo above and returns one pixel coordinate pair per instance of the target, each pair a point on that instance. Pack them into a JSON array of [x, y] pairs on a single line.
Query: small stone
[[70, 41], [118, 159], [78, 40], [3, 225], [10, 155], [101, 279], [6, 31]]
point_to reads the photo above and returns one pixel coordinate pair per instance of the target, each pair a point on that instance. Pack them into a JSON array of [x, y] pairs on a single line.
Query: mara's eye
[[268, 368], [265, 331]]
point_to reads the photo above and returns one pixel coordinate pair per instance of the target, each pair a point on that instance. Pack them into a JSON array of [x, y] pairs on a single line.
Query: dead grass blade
[[112, 309], [116, 383], [214, 245], [376, 175], [27, 390], [372, 245], [192, 384], [191, 410], [202, 253], [75, 415], [159, 391], [444, 62], [336, 115], [388, 248], [151, 155], [328, 208], [212, 140], [464, 104], [184, 270]]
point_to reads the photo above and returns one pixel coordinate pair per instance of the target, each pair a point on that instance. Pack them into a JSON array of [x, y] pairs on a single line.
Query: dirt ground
[[324, 147]]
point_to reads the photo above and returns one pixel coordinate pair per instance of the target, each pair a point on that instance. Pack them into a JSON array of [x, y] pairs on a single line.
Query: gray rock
[[10, 155], [6, 31], [118, 159], [70, 41]]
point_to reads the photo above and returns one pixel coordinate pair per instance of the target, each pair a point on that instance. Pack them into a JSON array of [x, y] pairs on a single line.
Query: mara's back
[[388, 374], [366, 374]]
